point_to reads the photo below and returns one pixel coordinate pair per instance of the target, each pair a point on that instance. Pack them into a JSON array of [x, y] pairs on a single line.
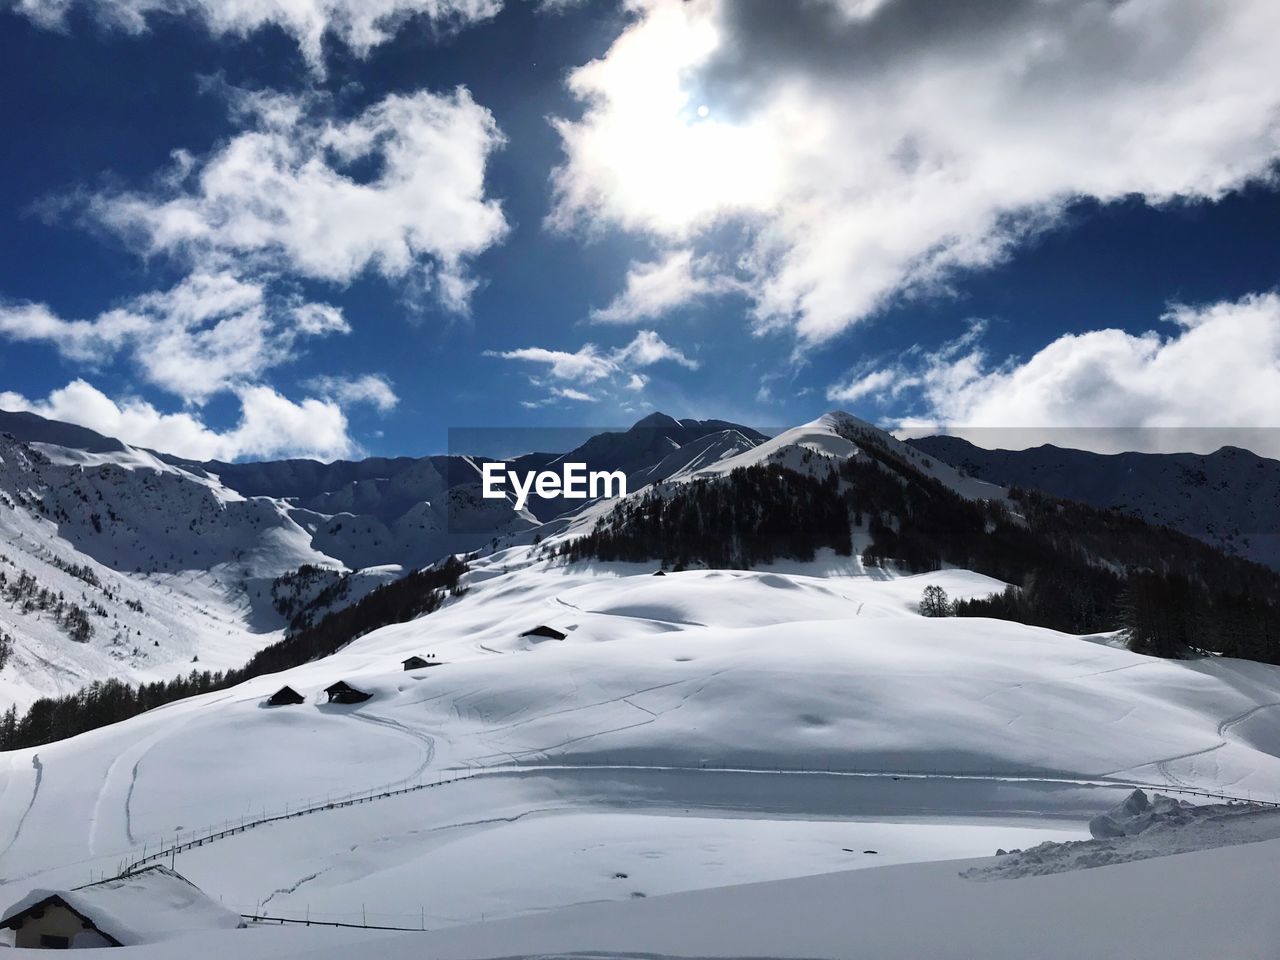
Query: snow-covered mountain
[[121, 562], [840, 436], [1230, 499], [388, 489], [116, 564]]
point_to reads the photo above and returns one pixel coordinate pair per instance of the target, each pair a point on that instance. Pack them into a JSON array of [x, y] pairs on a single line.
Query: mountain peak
[[843, 419], [656, 421]]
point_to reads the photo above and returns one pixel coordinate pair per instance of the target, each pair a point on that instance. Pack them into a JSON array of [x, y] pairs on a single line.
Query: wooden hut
[[285, 696], [343, 692], [545, 632], [417, 663]]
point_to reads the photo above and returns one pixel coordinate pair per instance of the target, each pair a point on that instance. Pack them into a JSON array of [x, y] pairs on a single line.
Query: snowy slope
[[600, 750], [1214, 903]]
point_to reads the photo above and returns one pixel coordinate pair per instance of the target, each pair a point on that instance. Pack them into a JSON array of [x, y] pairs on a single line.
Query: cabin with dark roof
[[417, 663], [660, 573], [547, 633], [284, 697], [343, 692]]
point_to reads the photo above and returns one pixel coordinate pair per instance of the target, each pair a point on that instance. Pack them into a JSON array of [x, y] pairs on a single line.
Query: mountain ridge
[[1229, 499]]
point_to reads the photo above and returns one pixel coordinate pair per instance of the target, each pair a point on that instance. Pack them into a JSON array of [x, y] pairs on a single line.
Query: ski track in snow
[[135, 753], [35, 792], [425, 741], [463, 825], [544, 751], [1224, 726]]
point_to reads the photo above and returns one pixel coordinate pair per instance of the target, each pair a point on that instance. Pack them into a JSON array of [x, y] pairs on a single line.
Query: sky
[[337, 228]]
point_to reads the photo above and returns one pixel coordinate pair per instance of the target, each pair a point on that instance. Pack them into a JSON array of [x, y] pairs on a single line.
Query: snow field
[[768, 670]]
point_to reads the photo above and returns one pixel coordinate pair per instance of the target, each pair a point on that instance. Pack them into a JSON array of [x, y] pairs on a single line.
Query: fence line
[[200, 839], [349, 801], [308, 922]]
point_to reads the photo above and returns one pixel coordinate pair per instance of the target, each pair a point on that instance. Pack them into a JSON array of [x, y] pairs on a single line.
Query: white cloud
[[210, 333], [270, 425], [589, 365], [347, 391], [656, 288], [1212, 372], [863, 385], [286, 195], [568, 393], [585, 365], [647, 349], [870, 150], [359, 24]]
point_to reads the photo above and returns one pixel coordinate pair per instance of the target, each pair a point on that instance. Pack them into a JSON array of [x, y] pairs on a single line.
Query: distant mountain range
[[1229, 499], [121, 562]]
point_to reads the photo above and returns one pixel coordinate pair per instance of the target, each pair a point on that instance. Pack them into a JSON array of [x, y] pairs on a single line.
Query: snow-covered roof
[[143, 907]]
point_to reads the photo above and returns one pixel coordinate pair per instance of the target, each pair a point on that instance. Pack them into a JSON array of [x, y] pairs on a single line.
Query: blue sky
[[226, 238]]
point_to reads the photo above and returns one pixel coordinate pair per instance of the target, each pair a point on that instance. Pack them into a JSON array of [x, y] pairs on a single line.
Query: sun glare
[[670, 162]]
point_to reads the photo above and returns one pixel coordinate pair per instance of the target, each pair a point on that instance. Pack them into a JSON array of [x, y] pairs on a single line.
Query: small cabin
[[284, 697], [417, 663], [146, 906], [343, 692], [660, 573], [545, 632]]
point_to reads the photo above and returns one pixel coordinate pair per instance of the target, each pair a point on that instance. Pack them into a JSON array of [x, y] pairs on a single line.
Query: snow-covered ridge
[[839, 435]]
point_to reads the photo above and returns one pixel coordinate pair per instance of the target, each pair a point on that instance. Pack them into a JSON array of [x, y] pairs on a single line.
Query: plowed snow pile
[[1138, 829]]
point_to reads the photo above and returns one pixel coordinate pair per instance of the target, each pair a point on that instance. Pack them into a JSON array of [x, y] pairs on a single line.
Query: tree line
[[110, 701], [754, 515]]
